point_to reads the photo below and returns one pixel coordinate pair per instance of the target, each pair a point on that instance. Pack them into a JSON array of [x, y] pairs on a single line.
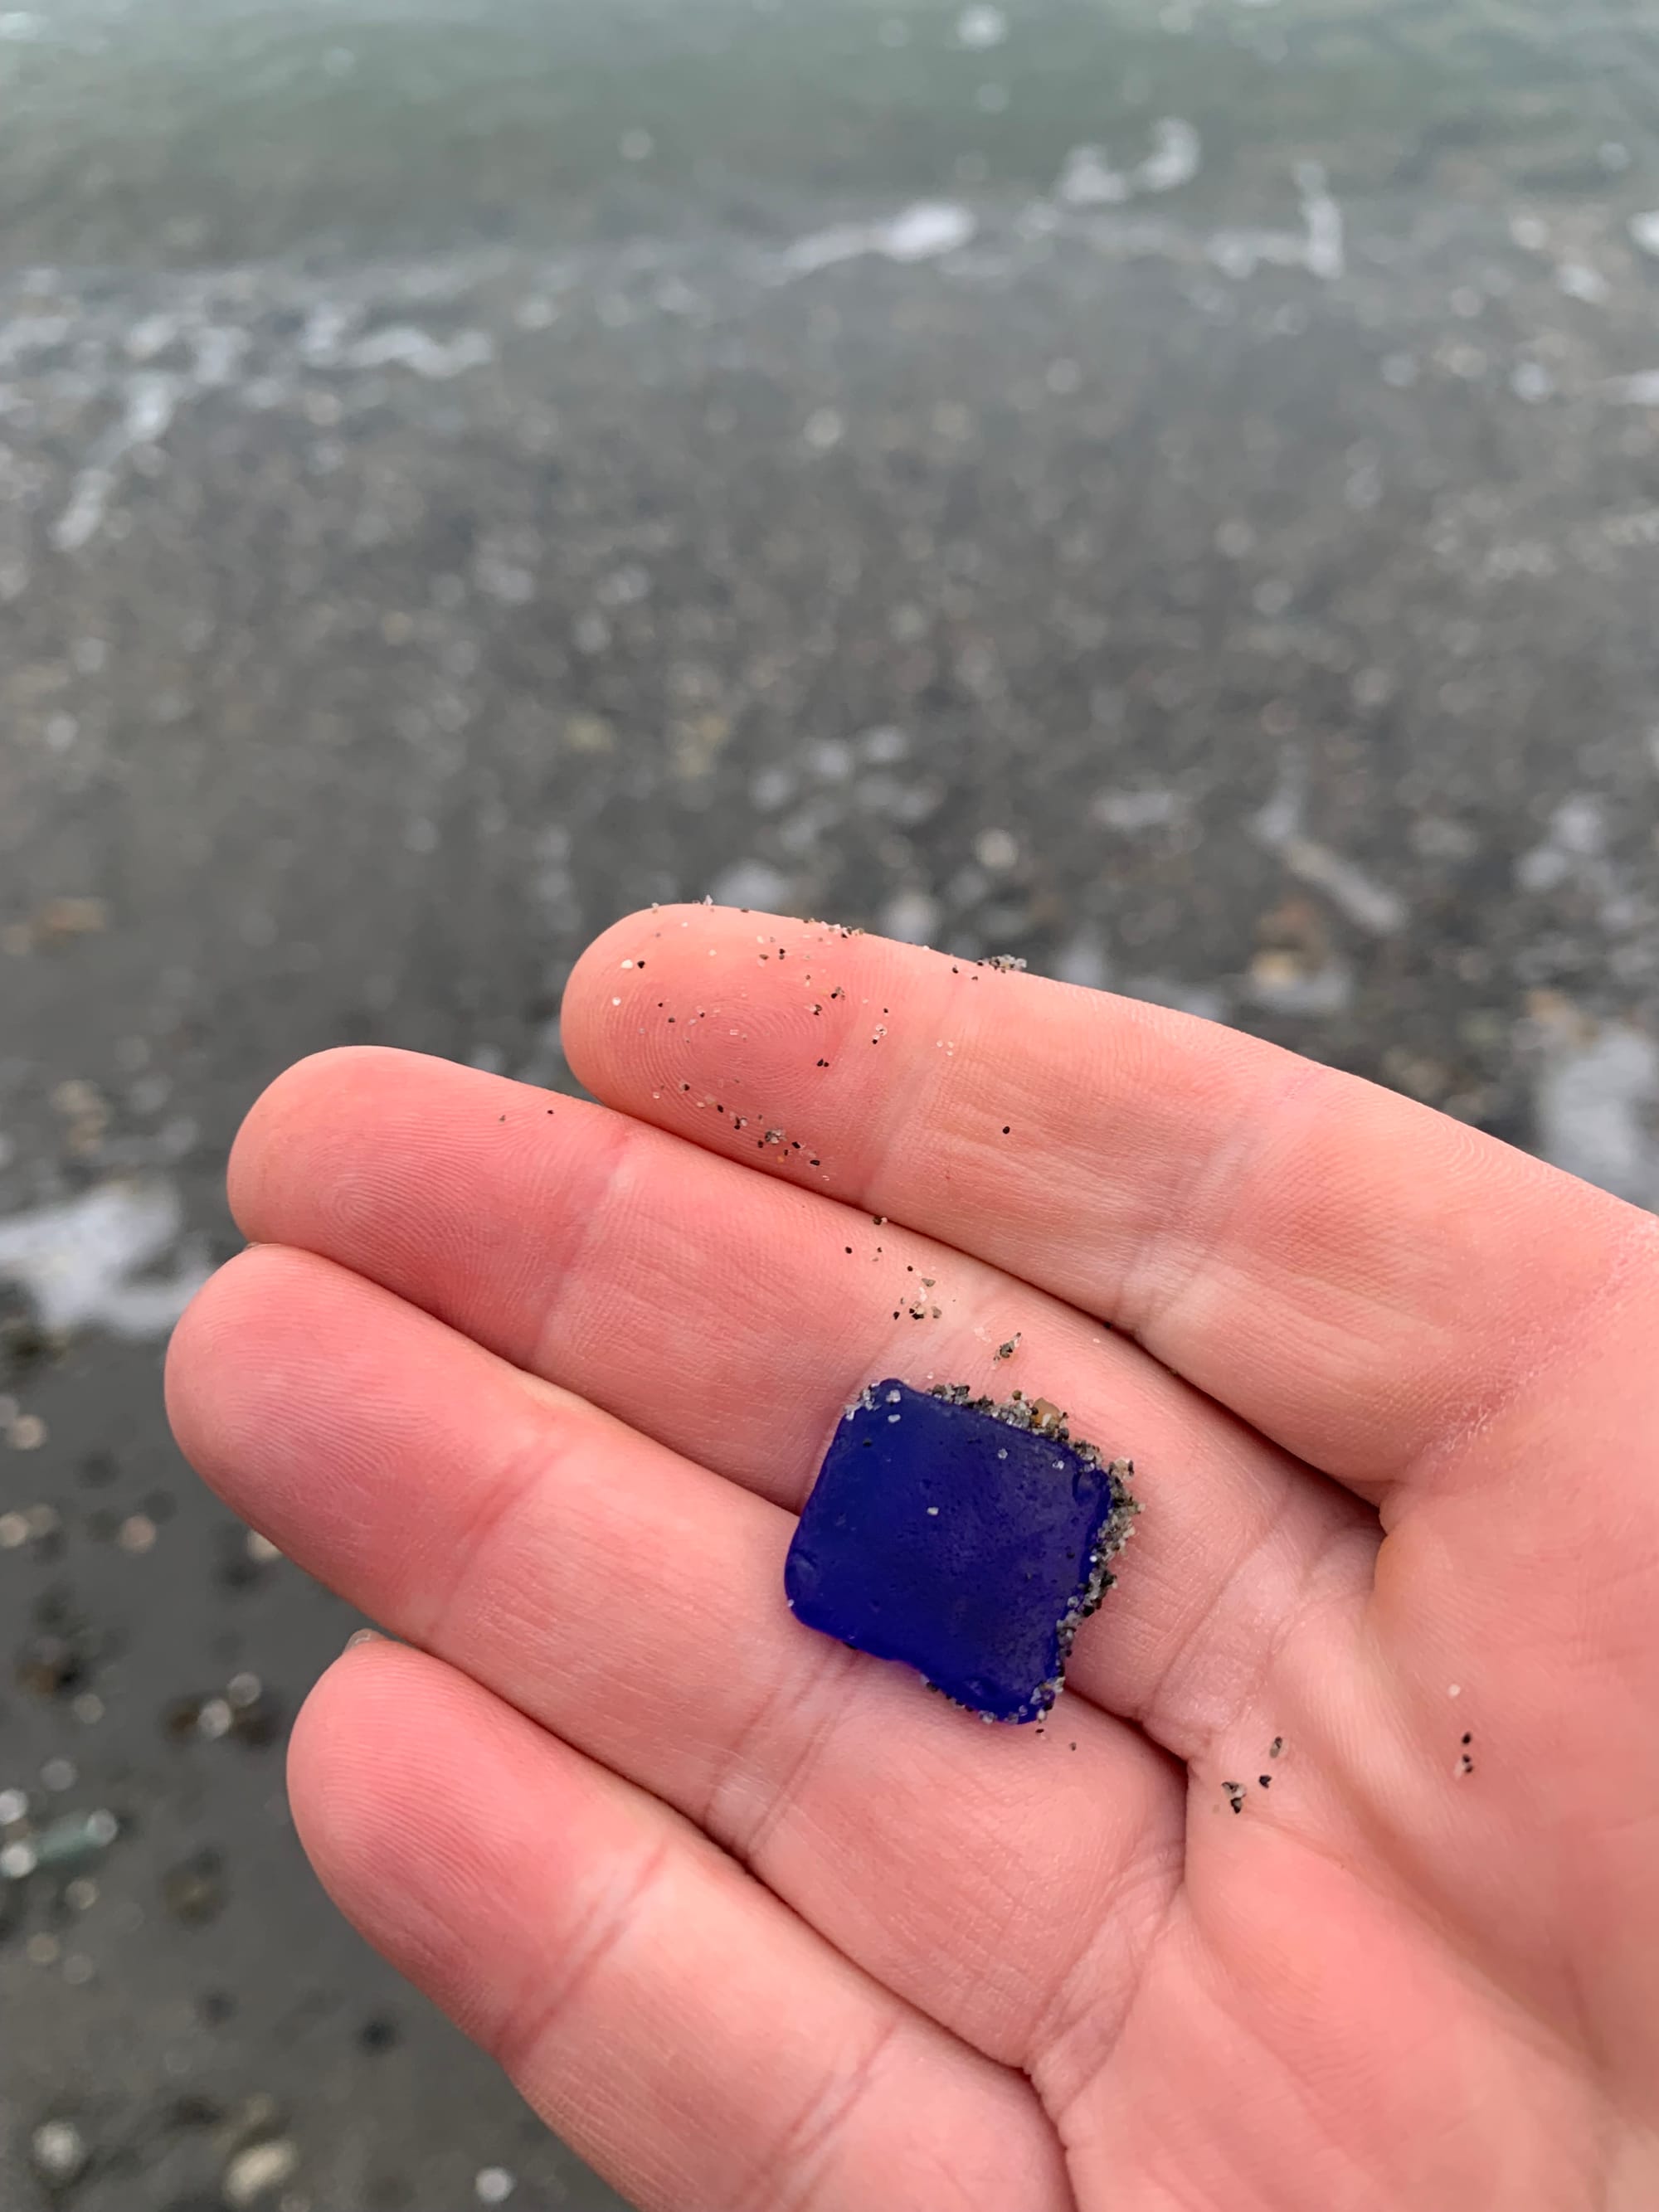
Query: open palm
[[1332, 1883]]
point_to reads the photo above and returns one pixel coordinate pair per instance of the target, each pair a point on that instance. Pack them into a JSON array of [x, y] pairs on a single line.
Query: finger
[[670, 2019], [732, 1318], [1357, 1276], [632, 1602]]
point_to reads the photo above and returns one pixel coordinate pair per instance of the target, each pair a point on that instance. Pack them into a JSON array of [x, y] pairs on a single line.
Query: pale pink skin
[[756, 1923]]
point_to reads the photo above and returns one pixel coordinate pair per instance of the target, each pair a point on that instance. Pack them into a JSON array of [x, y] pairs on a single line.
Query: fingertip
[[355, 1741], [321, 1091], [206, 1376], [211, 1319], [590, 988], [317, 1728], [431, 1813], [625, 1033], [181, 1362], [295, 1092]]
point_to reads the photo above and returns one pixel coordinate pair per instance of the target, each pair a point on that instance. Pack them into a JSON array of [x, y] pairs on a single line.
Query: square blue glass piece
[[966, 1540]]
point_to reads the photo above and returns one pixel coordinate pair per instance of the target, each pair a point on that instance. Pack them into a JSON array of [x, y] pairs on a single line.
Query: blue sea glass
[[963, 1538]]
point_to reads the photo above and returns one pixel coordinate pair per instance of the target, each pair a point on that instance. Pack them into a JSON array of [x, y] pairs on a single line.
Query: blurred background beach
[[1170, 494]]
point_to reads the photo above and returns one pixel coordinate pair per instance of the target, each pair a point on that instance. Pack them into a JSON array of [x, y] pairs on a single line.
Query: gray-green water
[[177, 131]]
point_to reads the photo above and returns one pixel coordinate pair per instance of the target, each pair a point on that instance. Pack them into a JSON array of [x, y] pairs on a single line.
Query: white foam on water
[[1240, 253], [1326, 253], [26, 334], [403, 345], [86, 1261], [331, 322], [218, 350], [151, 335], [152, 400], [823, 249], [979, 28], [1087, 180], [1319, 247], [1177, 156], [88, 503], [1644, 231], [1578, 279], [924, 232], [1641, 389]]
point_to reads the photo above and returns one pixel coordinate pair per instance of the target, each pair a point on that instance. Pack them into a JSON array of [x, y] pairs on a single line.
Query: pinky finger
[[675, 2023]]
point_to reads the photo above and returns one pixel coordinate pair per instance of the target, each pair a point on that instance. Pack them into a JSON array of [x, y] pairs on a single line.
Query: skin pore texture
[[1332, 1883]]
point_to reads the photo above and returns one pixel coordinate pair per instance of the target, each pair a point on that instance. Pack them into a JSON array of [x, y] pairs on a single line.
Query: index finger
[[1357, 1276]]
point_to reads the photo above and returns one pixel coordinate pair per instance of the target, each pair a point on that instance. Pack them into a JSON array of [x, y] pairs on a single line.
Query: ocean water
[[172, 131]]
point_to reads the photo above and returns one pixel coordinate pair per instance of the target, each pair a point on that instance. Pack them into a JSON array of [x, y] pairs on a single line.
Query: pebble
[[137, 1532], [254, 2172], [195, 1890], [58, 2150], [75, 1837]]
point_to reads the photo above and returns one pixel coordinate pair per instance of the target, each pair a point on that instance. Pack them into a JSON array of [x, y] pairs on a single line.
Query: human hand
[[758, 1923]]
